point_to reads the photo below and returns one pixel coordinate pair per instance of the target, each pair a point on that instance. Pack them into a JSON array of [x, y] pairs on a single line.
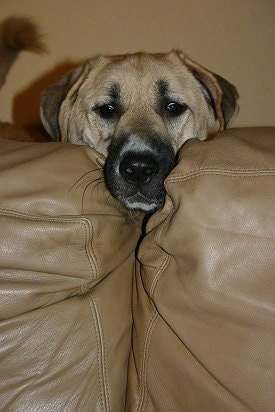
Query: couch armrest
[[204, 326], [66, 265]]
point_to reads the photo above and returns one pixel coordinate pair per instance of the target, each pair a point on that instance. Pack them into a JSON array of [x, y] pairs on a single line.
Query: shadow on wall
[[26, 104]]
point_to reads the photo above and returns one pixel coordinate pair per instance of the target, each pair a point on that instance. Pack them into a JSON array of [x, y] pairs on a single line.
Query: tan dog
[[138, 110]]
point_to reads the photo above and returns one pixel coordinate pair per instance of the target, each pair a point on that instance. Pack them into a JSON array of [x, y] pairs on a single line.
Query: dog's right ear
[[52, 98], [221, 95]]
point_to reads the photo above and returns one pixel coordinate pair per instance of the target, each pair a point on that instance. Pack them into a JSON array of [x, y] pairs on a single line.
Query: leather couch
[[185, 321]]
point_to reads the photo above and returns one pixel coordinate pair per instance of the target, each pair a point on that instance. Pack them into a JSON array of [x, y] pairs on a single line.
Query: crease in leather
[[204, 370], [78, 220]]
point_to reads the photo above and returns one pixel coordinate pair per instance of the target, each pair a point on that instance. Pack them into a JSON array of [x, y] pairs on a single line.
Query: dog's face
[[137, 111]]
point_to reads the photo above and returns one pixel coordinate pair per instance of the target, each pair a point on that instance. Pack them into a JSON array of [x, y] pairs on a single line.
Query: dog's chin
[[145, 198], [140, 202]]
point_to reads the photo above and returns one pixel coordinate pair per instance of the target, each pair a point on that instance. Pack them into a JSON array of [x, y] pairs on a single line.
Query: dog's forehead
[[133, 70]]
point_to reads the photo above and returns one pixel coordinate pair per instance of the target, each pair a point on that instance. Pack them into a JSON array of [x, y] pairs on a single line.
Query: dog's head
[[137, 110]]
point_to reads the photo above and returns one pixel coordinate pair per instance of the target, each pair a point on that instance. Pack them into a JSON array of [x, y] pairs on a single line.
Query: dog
[[137, 110], [18, 34]]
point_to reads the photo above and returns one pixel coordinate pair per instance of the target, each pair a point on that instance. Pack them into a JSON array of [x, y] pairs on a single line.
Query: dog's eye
[[106, 111], [175, 109]]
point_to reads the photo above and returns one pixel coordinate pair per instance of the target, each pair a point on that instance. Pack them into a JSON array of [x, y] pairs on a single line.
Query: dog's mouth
[[135, 170]]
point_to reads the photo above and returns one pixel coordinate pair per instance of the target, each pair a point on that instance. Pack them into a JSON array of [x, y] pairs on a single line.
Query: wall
[[233, 38]]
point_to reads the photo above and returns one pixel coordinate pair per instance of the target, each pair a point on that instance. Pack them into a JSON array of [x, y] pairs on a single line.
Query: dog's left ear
[[53, 97], [219, 93]]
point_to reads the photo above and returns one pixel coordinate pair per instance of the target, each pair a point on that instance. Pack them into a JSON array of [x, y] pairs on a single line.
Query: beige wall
[[234, 38]]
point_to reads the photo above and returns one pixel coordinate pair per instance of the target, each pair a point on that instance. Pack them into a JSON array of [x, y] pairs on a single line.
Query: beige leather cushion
[[66, 264], [204, 304]]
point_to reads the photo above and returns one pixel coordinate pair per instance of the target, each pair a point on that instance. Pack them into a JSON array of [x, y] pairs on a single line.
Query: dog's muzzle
[[135, 170]]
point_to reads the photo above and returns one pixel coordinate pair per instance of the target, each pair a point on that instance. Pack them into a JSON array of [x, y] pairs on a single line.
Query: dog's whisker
[[85, 174], [100, 180], [95, 183], [83, 195], [96, 187]]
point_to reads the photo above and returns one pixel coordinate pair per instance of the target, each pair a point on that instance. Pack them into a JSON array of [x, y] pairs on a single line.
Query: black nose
[[138, 169]]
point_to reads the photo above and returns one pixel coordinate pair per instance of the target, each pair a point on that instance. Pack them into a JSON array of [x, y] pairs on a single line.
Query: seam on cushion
[[11, 212], [145, 359], [90, 253], [152, 324], [91, 304], [167, 257], [101, 358], [157, 276], [230, 173], [82, 221], [103, 350]]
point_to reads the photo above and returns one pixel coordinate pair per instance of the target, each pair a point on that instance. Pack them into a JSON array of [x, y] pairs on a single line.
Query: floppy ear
[[229, 103], [52, 98], [219, 93]]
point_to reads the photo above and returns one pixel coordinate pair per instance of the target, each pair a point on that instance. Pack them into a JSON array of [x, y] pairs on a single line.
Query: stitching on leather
[[11, 212], [145, 359], [90, 255], [96, 327], [89, 246], [216, 172], [157, 276], [167, 257], [102, 357]]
